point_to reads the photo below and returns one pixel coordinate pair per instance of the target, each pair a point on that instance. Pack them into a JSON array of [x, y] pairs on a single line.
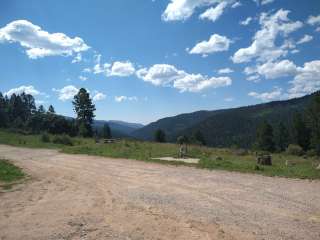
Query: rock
[[264, 160]]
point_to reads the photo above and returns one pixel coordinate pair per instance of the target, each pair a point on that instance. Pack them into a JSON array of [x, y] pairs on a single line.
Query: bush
[[311, 153], [64, 139], [45, 138], [295, 150]]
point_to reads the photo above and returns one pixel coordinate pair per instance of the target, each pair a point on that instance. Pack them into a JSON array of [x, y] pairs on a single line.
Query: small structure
[[109, 140], [264, 159]]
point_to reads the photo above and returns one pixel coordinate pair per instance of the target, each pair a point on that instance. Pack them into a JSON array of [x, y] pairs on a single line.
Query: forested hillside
[[228, 127]]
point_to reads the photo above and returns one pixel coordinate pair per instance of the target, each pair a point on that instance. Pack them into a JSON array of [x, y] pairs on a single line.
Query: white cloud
[[276, 94], [39, 43], [318, 29], [83, 78], [236, 4], [168, 75], [229, 99], [120, 69], [272, 70], [313, 20], [66, 93], [225, 71], [125, 98], [306, 38], [77, 58], [160, 74], [98, 96], [307, 79], [254, 78], [86, 70], [197, 83], [23, 89], [180, 10], [216, 43], [246, 21], [264, 2], [214, 13], [263, 47]]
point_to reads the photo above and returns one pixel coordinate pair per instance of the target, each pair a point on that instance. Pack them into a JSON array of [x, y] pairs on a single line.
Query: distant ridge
[[226, 127]]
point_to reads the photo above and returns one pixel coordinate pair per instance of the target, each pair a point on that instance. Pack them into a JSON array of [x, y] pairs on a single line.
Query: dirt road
[[87, 197]]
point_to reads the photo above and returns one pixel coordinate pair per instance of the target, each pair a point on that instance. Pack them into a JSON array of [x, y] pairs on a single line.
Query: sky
[[142, 60]]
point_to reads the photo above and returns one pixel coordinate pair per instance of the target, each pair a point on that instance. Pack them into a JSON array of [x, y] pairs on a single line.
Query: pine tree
[[313, 117], [160, 136], [51, 110], [106, 131], [265, 137], [282, 137], [84, 109], [301, 132], [198, 137]]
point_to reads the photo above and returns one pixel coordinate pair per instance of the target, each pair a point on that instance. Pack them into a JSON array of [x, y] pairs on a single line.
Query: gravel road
[[88, 197]]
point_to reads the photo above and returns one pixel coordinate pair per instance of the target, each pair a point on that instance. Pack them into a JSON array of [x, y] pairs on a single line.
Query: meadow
[[229, 159]]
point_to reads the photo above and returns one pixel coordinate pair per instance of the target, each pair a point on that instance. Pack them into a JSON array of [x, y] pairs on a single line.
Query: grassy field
[[9, 174], [210, 158]]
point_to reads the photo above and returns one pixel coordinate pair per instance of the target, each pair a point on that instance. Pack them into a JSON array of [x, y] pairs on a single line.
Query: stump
[[264, 160]]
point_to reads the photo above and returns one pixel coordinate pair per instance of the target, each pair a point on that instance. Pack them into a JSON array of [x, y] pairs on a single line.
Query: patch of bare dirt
[[87, 197]]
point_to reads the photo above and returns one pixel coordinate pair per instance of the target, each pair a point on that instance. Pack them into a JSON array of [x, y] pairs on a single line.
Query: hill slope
[[118, 128], [228, 126]]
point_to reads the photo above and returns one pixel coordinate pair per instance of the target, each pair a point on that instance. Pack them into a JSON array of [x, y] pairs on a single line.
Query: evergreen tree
[[301, 132], [41, 109], [313, 117], [84, 109], [3, 111], [265, 137], [160, 136], [198, 137], [51, 110], [282, 137], [106, 131]]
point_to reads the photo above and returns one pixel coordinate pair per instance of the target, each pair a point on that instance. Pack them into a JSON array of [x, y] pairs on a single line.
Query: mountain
[[223, 128], [118, 128]]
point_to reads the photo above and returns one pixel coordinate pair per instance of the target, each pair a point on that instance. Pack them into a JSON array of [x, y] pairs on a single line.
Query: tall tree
[[3, 111], [282, 137], [84, 109], [106, 131], [313, 118], [160, 136], [51, 110], [301, 132], [199, 138], [265, 137]]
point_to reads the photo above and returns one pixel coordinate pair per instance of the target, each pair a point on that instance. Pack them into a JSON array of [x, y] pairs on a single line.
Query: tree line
[[19, 112]]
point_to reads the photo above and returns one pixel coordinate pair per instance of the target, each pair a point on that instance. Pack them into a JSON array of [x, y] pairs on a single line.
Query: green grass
[[145, 151], [9, 172]]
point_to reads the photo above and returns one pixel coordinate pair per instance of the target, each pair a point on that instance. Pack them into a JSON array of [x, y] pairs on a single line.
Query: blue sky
[[144, 60]]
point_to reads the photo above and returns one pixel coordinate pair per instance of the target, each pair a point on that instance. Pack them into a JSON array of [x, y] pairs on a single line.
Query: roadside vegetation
[[9, 174]]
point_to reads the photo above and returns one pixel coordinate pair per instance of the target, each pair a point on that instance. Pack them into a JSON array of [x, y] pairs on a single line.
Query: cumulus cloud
[[39, 43], [168, 75], [66, 93], [83, 78], [263, 47], [246, 21], [216, 43], [306, 38], [275, 94], [125, 98], [225, 71], [272, 70], [214, 13], [236, 4], [264, 2], [313, 20], [77, 58], [179, 10], [98, 96], [254, 78], [23, 89], [120, 69], [307, 79]]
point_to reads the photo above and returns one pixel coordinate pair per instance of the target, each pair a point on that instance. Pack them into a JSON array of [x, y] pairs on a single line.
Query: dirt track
[[86, 197]]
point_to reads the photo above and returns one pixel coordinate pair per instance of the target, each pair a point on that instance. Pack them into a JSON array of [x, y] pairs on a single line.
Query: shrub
[[295, 150], [311, 153], [45, 138], [64, 139]]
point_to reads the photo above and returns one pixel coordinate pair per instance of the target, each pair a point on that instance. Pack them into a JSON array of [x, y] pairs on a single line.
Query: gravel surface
[[87, 197]]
